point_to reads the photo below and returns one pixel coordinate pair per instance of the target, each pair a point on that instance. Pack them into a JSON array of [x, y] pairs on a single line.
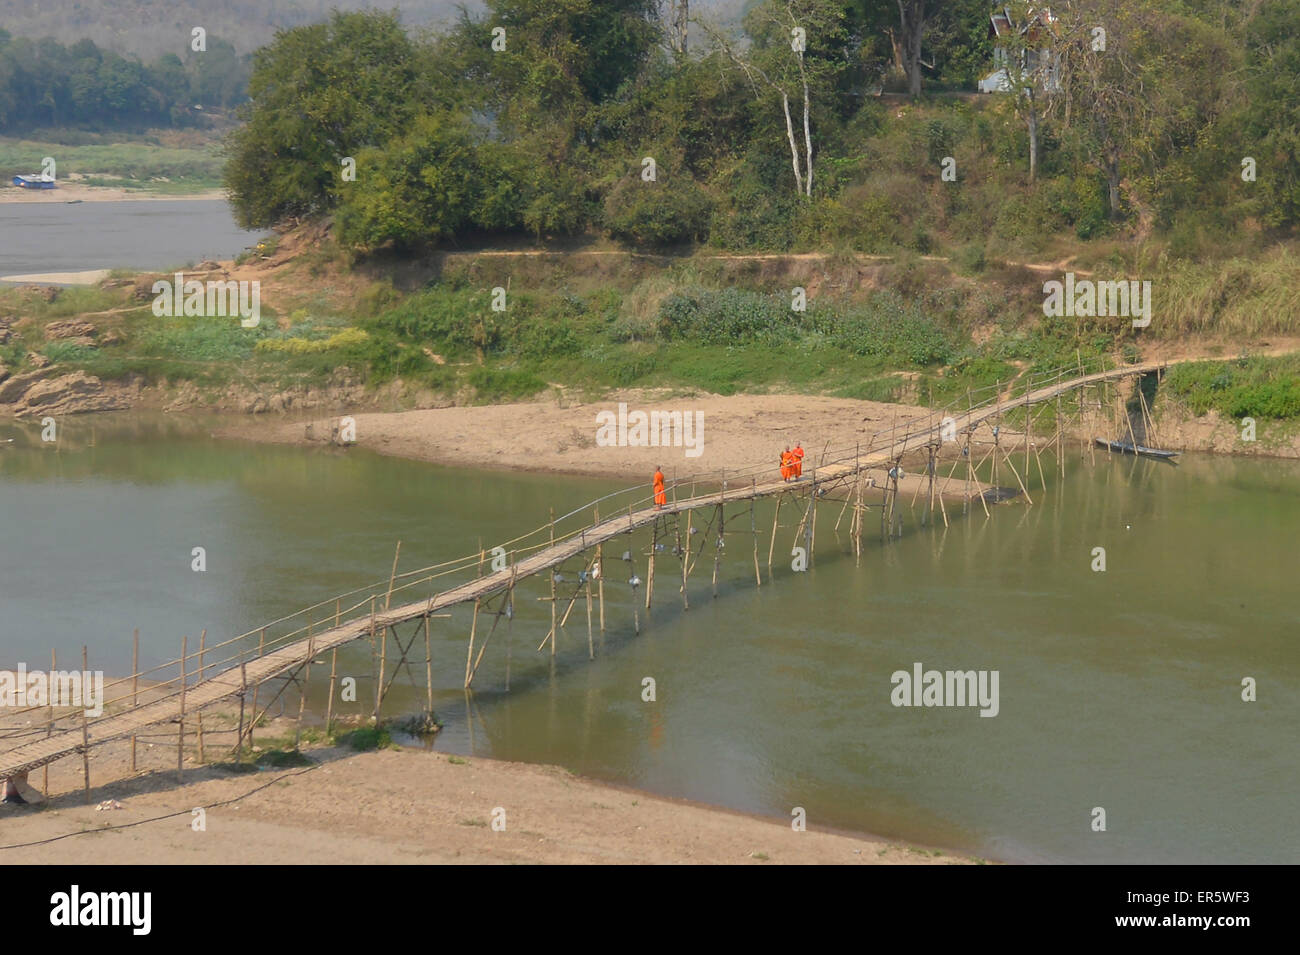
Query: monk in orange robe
[[787, 464], [661, 497], [797, 455]]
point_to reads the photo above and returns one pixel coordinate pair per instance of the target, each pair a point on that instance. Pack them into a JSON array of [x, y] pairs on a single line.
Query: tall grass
[[1237, 297]]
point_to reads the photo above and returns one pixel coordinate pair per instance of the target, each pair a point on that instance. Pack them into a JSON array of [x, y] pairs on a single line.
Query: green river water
[[1119, 689]]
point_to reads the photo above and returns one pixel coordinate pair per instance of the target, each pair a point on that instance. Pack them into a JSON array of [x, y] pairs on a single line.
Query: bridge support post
[[555, 637], [600, 579], [306, 682], [810, 521], [510, 629], [473, 628], [334, 669], [198, 717], [650, 568], [180, 735], [591, 649], [771, 547], [49, 727], [135, 687], [428, 670], [261, 648], [243, 692], [85, 731], [686, 559]]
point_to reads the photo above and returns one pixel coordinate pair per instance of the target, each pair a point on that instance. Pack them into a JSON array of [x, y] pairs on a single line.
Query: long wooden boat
[[1123, 447]]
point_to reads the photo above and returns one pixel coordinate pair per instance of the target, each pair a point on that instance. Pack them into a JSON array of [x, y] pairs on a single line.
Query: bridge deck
[[167, 709]]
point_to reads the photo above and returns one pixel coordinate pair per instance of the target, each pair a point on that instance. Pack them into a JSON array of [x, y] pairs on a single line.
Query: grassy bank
[[142, 163], [907, 330]]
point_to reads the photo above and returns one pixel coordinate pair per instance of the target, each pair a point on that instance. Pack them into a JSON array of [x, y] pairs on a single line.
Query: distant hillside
[[149, 28]]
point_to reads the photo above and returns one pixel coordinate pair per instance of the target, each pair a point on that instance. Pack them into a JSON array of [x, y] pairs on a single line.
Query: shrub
[[670, 211]]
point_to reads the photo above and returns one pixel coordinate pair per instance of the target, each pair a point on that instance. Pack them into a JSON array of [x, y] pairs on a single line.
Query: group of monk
[[792, 463], [791, 470]]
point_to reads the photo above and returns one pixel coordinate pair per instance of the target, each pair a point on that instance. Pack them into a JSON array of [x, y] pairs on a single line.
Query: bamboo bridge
[[286, 648]]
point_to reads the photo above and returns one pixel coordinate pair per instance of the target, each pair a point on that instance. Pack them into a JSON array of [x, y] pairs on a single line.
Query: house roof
[[1038, 18]]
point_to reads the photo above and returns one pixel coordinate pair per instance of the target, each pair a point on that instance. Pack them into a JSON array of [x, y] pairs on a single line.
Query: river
[[145, 234], [1118, 689]]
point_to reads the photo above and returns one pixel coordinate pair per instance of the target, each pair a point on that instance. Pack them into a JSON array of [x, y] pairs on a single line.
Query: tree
[[1273, 116], [1031, 59], [1103, 84], [782, 60], [914, 18], [319, 94]]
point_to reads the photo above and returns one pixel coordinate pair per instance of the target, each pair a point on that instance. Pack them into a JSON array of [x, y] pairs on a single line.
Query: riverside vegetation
[[918, 288]]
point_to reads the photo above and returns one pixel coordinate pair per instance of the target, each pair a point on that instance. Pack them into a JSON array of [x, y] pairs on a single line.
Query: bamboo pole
[[334, 667], [650, 569], [243, 692], [1023, 489], [753, 530], [180, 736], [473, 628], [261, 644], [857, 519], [135, 683], [374, 663], [49, 728], [686, 558], [555, 637], [510, 619], [1029, 427], [306, 683], [428, 667], [591, 648], [1060, 437], [1128, 420], [771, 547], [383, 669], [1148, 422], [717, 549], [85, 728], [203, 641], [393, 575], [600, 580], [811, 530]]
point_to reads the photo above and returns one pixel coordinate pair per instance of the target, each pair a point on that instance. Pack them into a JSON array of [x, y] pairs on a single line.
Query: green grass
[[366, 738], [1258, 387], [133, 165]]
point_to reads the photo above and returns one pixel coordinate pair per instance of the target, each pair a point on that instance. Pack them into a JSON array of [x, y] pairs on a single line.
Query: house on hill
[[1031, 42]]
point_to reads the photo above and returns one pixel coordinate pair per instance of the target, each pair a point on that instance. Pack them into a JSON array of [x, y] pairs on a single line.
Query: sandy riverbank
[[739, 433], [75, 192], [404, 805]]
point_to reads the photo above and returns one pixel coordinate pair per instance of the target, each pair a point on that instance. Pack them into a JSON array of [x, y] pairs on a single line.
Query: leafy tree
[[670, 210], [782, 64], [319, 94], [1272, 120]]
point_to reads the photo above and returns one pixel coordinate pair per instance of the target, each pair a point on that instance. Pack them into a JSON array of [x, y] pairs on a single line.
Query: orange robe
[[797, 454], [787, 465], [661, 498]]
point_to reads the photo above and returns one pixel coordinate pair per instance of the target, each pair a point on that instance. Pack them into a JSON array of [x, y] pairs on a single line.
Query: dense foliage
[[46, 84], [536, 116]]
